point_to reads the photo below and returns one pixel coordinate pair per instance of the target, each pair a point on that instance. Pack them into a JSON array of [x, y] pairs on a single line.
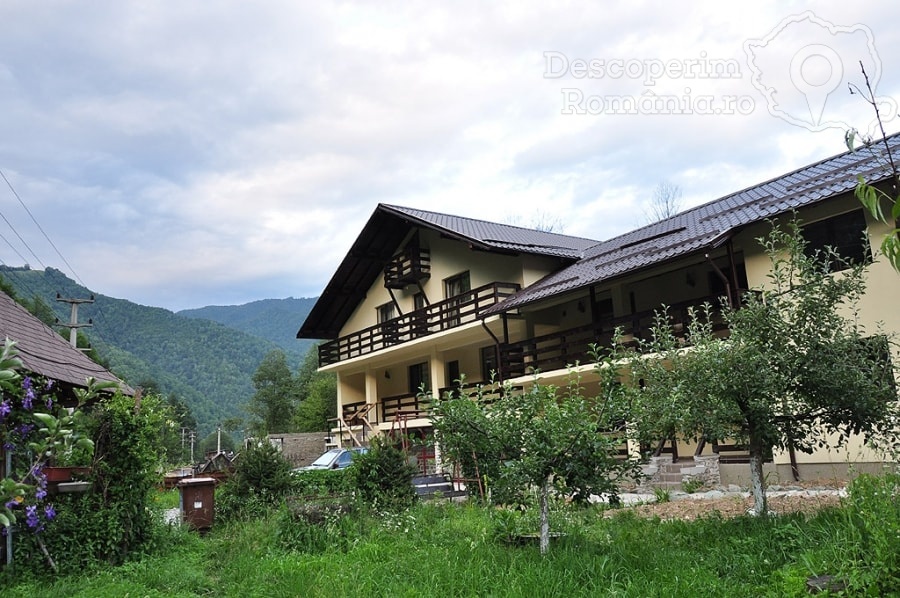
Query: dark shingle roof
[[504, 237], [709, 225], [45, 352], [386, 229]]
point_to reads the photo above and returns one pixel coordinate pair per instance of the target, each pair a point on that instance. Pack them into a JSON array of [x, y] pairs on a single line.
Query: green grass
[[456, 550]]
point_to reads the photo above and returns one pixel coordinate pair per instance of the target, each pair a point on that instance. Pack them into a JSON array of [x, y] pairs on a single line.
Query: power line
[[40, 228], [47, 237]]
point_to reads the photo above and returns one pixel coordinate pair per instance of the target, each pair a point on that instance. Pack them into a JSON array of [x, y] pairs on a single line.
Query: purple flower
[[11, 504], [49, 403], [31, 516], [41, 494], [5, 409], [29, 393], [48, 385], [49, 512]]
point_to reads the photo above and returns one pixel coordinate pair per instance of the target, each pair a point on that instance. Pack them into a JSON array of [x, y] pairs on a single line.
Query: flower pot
[[64, 474]]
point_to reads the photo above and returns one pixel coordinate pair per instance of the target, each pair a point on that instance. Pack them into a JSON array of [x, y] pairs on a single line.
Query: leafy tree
[[318, 395], [272, 405], [795, 367], [544, 438]]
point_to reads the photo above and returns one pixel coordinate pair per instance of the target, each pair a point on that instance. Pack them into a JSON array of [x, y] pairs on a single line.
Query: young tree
[[544, 438], [796, 366], [273, 403], [317, 392], [872, 197]]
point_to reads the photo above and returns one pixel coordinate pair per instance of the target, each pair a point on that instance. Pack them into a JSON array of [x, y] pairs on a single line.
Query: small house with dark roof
[[423, 299], [44, 352]]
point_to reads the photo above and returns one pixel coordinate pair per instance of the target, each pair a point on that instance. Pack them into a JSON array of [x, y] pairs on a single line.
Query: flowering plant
[[31, 435]]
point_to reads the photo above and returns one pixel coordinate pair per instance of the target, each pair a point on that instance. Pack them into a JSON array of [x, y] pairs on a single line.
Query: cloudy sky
[[182, 154]]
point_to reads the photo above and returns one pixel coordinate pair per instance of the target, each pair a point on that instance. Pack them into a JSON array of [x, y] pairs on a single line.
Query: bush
[[383, 477], [261, 480], [115, 520]]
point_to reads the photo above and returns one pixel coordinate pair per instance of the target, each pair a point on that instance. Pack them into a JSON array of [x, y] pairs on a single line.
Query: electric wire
[[99, 311]]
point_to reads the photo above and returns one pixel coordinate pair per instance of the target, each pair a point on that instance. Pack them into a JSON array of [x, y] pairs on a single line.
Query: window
[[457, 285], [453, 373], [456, 289], [489, 368], [386, 312], [390, 332], [420, 326], [845, 234], [419, 377]]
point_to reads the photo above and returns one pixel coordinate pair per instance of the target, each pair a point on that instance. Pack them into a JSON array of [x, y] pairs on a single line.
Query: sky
[[183, 154]]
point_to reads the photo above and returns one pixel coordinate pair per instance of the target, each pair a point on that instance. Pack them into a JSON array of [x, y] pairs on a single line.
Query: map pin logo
[[808, 82]]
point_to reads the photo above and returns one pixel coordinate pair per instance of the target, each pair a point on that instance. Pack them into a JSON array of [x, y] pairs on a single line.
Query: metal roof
[[708, 226], [702, 228], [44, 352], [380, 239]]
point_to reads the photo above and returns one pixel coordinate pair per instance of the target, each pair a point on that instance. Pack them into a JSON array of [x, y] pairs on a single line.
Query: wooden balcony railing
[[560, 349], [409, 267], [433, 318]]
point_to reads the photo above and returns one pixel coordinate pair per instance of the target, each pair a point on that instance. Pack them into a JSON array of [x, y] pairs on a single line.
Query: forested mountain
[[275, 319], [205, 363]]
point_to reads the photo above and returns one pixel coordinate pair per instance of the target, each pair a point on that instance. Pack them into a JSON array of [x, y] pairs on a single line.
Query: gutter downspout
[[496, 344]]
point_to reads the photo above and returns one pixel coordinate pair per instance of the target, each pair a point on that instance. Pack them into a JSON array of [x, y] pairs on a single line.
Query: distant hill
[[277, 320], [206, 363]]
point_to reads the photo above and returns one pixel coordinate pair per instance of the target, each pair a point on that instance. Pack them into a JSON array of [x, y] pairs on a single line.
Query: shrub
[[383, 477], [261, 480]]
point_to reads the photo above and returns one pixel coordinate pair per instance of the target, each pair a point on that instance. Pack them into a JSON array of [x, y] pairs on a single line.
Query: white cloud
[[193, 154]]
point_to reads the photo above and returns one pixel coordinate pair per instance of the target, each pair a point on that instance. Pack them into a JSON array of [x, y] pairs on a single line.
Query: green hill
[[206, 363], [274, 319]]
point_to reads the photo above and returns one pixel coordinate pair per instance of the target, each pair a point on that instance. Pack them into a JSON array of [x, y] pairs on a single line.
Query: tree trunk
[[545, 514], [757, 482]]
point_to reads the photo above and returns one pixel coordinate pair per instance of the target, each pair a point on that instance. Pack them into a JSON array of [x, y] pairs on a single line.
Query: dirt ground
[[690, 508]]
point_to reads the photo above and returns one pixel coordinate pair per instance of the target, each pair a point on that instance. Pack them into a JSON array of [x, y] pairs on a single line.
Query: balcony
[[410, 267], [560, 349], [437, 317]]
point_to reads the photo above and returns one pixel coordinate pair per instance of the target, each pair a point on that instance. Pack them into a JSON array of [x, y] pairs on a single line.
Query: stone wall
[[300, 449]]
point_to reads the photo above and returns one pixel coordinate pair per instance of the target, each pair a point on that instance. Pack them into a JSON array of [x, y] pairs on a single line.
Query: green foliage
[[318, 395], [795, 367], [316, 525], [383, 477], [872, 563], [274, 319], [323, 482], [206, 364], [522, 440], [272, 404], [261, 480], [114, 520]]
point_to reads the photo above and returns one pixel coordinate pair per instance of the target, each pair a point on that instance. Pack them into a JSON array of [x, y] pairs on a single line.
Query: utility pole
[[73, 324]]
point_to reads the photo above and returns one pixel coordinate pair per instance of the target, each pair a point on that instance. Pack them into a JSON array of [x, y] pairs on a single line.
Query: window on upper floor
[[457, 285], [845, 234], [386, 312]]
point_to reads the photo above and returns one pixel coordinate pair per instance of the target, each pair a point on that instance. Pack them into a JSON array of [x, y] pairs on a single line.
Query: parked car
[[336, 458]]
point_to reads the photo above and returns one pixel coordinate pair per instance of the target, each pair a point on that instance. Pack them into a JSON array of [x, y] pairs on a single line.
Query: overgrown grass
[[463, 550]]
